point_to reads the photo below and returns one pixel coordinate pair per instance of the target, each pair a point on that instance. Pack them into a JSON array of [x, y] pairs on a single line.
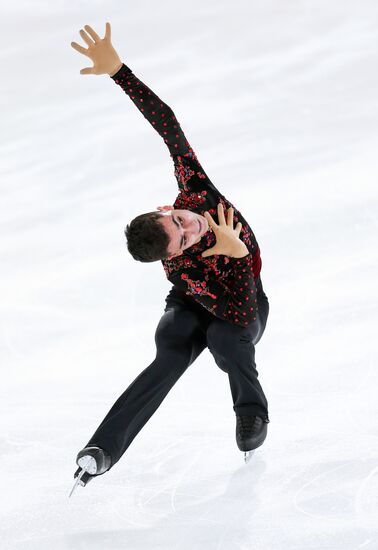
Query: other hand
[[100, 50], [227, 237]]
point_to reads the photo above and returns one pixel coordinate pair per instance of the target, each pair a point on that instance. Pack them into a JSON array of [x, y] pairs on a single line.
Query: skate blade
[[84, 465], [248, 455], [78, 482]]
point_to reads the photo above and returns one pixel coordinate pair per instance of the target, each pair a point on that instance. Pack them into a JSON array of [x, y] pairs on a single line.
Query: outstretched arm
[[189, 173], [159, 114]]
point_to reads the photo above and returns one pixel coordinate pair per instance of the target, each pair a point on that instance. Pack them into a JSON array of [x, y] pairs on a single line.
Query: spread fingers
[[85, 37], [221, 219], [80, 48], [92, 33]]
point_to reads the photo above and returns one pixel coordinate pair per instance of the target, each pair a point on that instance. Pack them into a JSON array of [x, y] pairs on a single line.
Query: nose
[[193, 228], [197, 226]]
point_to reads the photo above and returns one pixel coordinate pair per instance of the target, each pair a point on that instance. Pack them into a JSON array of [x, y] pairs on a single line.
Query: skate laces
[[246, 423]]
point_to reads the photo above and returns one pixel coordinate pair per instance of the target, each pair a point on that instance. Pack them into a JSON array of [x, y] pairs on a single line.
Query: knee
[[222, 337], [173, 353]]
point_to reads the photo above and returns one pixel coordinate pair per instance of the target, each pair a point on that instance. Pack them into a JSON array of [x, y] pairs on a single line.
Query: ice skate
[[251, 432], [92, 461]]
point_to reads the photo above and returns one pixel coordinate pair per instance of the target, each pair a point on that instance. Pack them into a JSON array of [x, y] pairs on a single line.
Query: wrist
[[115, 69]]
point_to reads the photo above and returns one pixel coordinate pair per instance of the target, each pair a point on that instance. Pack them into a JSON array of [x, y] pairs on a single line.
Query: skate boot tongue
[[247, 423]]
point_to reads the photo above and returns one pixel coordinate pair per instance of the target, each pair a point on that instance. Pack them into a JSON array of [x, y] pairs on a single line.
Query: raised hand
[[228, 242], [100, 50]]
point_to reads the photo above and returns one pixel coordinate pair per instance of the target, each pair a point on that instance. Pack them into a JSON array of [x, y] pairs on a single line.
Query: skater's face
[[184, 228]]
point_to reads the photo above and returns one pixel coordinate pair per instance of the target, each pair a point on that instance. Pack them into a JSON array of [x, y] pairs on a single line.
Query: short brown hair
[[147, 240]]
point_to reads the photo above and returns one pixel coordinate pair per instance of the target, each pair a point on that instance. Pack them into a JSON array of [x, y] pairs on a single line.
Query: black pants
[[183, 332]]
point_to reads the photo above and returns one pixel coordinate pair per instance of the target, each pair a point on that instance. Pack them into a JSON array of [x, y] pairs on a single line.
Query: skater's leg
[[180, 337], [233, 348]]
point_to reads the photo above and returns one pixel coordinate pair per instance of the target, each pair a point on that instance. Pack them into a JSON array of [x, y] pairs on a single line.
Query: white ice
[[279, 101]]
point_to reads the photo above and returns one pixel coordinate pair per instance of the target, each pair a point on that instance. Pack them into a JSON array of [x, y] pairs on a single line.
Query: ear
[[167, 207]]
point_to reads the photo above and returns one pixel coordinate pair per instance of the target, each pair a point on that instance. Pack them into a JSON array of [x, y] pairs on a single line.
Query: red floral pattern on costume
[[197, 288], [223, 285]]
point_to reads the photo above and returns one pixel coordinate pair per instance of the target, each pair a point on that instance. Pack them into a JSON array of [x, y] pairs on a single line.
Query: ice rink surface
[[279, 101]]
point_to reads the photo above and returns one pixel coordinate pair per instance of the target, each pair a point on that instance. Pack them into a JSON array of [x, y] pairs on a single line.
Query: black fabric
[[183, 332]]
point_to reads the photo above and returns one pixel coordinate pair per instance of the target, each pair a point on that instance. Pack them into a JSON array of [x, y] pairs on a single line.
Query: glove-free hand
[[100, 50], [227, 237]]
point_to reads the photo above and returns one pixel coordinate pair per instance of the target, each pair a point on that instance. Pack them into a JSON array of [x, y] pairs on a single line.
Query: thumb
[[87, 70]]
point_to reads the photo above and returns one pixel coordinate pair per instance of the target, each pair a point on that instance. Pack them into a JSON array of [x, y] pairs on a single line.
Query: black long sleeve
[[155, 111]]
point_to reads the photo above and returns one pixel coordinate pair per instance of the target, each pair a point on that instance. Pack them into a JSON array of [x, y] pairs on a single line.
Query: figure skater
[[217, 298]]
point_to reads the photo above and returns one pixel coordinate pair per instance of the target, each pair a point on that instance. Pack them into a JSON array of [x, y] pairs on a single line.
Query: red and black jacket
[[225, 286]]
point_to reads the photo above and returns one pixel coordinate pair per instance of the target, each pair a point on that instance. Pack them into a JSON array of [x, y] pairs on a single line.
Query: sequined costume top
[[224, 285]]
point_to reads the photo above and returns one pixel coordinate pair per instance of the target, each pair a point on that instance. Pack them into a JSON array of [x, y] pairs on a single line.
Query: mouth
[[200, 226]]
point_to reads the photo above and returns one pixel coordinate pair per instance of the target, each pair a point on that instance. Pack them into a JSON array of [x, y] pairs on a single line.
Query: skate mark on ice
[[365, 487], [176, 479], [328, 490]]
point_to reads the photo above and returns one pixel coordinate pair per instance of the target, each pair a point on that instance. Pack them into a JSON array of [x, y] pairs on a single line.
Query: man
[[217, 299]]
